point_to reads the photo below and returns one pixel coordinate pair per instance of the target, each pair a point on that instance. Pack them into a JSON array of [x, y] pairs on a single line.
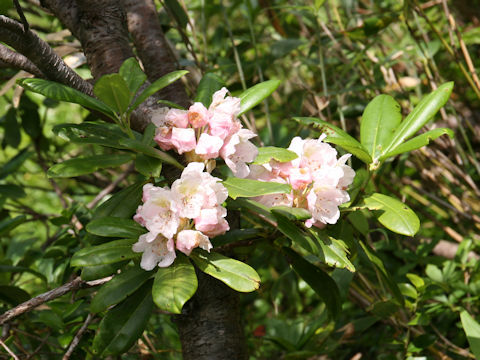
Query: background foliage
[[332, 57]]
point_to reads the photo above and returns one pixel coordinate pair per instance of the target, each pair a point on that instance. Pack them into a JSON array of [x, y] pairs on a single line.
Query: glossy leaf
[[209, 84], [174, 285], [123, 204], [156, 86], [472, 330], [291, 212], [100, 271], [379, 121], [87, 165], [13, 295], [148, 166], [338, 137], [378, 264], [115, 227], [334, 252], [107, 253], [421, 114], [178, 13], [150, 151], [92, 133], [294, 233], [267, 153], [124, 324], [418, 142], [256, 94], [250, 188], [319, 281], [236, 274], [117, 289], [396, 216], [61, 92], [113, 90], [133, 75]]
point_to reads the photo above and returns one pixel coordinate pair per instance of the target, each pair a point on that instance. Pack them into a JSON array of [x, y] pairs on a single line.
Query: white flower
[[187, 240], [238, 151], [160, 251]]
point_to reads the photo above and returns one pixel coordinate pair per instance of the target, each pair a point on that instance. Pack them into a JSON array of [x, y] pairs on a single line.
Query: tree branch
[[152, 47], [77, 338], [40, 54], [29, 305], [18, 61]]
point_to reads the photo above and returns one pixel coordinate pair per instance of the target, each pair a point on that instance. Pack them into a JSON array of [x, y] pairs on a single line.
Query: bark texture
[[210, 326]]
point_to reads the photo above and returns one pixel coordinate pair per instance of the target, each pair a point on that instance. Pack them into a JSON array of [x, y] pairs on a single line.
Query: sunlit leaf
[[250, 188], [256, 94]]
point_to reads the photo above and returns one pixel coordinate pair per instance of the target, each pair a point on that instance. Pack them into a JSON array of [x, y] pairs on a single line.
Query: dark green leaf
[[122, 204], [156, 86], [396, 216], [421, 114], [267, 153], [174, 285], [124, 324], [117, 289], [31, 122], [113, 91], [7, 224], [13, 164], [338, 137], [256, 94], [12, 191], [92, 133], [236, 274], [378, 264], [379, 121], [472, 330], [148, 166], [333, 252], [12, 135], [115, 227], [292, 213], [21, 269], [101, 271], [418, 142], [61, 92], [133, 75], [87, 165], [150, 151], [250, 188], [178, 13], [13, 295], [298, 236], [209, 84], [319, 281], [113, 251]]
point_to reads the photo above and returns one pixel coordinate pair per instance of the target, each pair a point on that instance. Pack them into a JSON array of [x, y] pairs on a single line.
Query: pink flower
[[223, 124], [177, 118], [158, 116], [227, 105], [163, 137], [237, 151], [198, 115], [187, 240], [211, 221], [208, 146], [183, 139], [159, 251], [299, 178]]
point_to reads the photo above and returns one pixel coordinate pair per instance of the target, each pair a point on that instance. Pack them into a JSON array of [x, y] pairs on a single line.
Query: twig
[[39, 347], [77, 338], [18, 61], [29, 305], [8, 350], [26, 26]]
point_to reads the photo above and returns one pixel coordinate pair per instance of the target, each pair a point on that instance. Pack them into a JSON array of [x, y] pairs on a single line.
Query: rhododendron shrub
[[203, 134], [318, 179], [183, 217]]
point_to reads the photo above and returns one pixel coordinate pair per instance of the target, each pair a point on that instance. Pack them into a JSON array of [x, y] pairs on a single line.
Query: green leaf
[[148, 166], [156, 86], [13, 295], [267, 153], [150, 151], [236, 274], [122, 204], [249, 188], [421, 114], [178, 12], [174, 285], [252, 205], [319, 281], [378, 264], [396, 216], [61, 92], [92, 133], [418, 142], [8, 224], [14, 163], [100, 271], [21, 269], [113, 251], [12, 191], [87, 165], [338, 137], [209, 84], [115, 227], [124, 324], [113, 91], [333, 252], [117, 289], [133, 75], [379, 121], [294, 233], [12, 134], [292, 213], [256, 94], [472, 330]]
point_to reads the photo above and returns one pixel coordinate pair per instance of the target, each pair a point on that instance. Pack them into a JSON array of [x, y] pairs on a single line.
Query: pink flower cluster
[[183, 217], [319, 181], [205, 134]]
